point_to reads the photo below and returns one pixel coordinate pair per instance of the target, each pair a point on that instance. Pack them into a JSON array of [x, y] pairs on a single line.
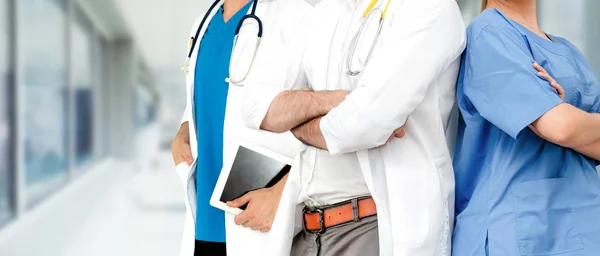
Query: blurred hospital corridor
[[141, 215], [91, 96]]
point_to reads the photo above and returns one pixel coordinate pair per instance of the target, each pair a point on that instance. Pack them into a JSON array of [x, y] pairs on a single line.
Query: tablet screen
[[250, 171]]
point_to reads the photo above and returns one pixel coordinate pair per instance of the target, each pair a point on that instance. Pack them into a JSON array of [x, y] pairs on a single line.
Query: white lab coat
[[280, 21], [410, 80]]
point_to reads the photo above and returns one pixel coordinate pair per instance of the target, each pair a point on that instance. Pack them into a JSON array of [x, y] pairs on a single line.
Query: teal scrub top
[[516, 193], [210, 98]]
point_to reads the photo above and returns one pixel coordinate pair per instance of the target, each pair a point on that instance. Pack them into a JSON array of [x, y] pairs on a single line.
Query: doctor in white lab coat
[[408, 82], [280, 23]]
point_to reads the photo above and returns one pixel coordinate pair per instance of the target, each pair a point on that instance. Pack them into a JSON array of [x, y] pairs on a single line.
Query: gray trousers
[[349, 239]]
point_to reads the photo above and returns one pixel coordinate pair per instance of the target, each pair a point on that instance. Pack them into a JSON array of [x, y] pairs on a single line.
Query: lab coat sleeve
[[278, 68], [424, 38], [501, 83]]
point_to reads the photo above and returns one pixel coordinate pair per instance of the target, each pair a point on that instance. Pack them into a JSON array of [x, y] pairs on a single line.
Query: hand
[[180, 148], [261, 208], [544, 74], [398, 133]]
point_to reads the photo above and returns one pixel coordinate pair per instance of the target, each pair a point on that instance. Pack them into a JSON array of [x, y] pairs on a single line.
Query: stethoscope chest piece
[[186, 66]]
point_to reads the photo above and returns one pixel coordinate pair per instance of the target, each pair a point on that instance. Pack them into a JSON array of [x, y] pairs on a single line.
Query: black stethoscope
[[194, 40]]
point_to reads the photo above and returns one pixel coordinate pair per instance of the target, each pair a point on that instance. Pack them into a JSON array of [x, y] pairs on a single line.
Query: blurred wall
[[74, 91], [575, 20], [77, 90], [6, 108]]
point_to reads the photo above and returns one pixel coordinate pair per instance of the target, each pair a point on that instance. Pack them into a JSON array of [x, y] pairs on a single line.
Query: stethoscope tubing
[[252, 15]]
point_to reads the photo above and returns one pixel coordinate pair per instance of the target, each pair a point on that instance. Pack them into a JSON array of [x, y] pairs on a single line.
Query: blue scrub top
[[517, 194], [210, 98]]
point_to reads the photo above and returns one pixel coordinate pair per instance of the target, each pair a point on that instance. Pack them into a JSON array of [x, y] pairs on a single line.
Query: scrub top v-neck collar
[[551, 45], [219, 19], [210, 100]]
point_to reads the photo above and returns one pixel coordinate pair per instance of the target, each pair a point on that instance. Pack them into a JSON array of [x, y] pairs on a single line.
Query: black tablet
[[251, 167]]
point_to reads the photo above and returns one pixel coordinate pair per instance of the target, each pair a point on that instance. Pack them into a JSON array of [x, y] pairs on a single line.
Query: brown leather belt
[[317, 220]]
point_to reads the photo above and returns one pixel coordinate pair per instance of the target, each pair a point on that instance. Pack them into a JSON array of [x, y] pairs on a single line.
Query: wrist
[[278, 188], [327, 101]]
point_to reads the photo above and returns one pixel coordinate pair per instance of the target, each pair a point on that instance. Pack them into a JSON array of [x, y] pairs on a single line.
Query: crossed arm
[[591, 150], [567, 125], [390, 88], [301, 113], [571, 127], [292, 108]]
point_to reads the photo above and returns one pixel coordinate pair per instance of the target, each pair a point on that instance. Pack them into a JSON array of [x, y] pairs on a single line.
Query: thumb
[[240, 201]]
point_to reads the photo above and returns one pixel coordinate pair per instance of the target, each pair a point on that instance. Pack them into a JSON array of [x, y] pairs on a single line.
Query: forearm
[[569, 126], [591, 150], [310, 133], [586, 130], [292, 108]]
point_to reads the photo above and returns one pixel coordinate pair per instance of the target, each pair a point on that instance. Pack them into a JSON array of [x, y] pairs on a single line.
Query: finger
[[400, 133], [248, 224], [187, 156], [539, 67], [255, 227], [183, 159], [242, 218], [390, 138], [559, 90], [259, 225], [541, 71], [240, 201], [545, 76], [557, 87], [265, 230]]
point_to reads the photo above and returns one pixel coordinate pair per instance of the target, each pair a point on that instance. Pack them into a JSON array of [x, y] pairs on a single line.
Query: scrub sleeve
[[508, 93]]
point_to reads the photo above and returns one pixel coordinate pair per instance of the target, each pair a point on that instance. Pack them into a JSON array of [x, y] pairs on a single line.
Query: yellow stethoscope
[[370, 11]]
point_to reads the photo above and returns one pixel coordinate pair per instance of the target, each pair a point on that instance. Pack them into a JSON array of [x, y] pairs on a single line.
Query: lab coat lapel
[[187, 241], [240, 240], [286, 223]]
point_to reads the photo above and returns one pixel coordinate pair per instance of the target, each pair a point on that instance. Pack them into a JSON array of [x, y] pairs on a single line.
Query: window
[[81, 81], [469, 9], [144, 107], [45, 94], [5, 108]]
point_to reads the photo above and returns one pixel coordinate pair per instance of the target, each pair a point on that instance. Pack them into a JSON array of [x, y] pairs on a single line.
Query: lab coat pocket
[[544, 217], [409, 206], [182, 170]]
